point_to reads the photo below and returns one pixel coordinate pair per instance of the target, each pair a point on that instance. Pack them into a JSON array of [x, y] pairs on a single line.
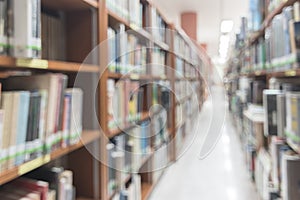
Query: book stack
[[132, 191], [158, 64], [290, 163], [262, 173], [53, 36], [121, 7], [179, 45], [126, 153], [21, 28], [126, 54], [257, 14], [125, 102], [160, 161], [135, 13], [179, 67], [182, 89], [43, 184], [39, 117], [158, 26]]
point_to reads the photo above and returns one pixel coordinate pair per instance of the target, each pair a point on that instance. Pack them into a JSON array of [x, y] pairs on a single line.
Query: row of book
[[38, 117], [128, 152], [279, 49], [132, 191], [183, 88], [53, 36], [131, 10], [42, 184], [128, 99], [158, 27], [20, 32], [125, 102], [126, 54], [183, 48], [276, 171]]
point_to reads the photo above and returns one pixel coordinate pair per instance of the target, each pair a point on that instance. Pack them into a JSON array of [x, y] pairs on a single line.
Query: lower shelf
[[8, 175]]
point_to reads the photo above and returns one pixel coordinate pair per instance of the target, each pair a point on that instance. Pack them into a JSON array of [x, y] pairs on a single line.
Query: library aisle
[[221, 175]]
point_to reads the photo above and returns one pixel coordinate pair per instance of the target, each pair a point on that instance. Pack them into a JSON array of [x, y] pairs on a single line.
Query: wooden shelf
[[114, 19], [269, 19], [117, 131], [184, 59], [7, 62], [8, 175], [69, 5], [134, 77], [279, 74], [161, 45]]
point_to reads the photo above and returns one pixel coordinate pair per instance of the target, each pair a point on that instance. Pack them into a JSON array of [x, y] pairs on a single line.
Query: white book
[[27, 25]]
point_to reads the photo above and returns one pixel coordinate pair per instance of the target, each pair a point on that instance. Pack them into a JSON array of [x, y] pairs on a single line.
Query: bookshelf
[[76, 28], [265, 67]]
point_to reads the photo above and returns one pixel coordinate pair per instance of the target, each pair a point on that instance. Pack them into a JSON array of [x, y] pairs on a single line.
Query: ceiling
[[210, 14]]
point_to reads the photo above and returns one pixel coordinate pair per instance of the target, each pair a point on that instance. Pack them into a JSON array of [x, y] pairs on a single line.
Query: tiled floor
[[222, 175]]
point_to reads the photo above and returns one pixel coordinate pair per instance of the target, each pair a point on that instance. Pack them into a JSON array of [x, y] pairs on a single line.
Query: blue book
[[22, 126]]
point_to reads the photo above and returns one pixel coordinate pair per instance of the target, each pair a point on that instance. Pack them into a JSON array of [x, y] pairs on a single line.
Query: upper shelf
[[69, 5], [269, 19], [8, 175], [16, 63], [276, 74]]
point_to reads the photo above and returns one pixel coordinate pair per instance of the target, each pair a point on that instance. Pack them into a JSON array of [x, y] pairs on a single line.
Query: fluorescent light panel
[[226, 26]]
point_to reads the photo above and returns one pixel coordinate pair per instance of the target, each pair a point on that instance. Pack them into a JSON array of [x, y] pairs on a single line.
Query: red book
[[34, 185]]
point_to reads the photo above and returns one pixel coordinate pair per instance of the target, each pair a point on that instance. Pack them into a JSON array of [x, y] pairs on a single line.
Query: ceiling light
[[226, 26]]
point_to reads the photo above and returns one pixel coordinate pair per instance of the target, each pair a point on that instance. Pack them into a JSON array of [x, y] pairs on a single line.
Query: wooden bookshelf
[[7, 62], [87, 137], [87, 22]]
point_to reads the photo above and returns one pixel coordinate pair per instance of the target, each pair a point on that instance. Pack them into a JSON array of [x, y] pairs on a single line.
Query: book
[[31, 184], [75, 114], [15, 105], [290, 176], [270, 110], [54, 85], [292, 130], [3, 25], [27, 29]]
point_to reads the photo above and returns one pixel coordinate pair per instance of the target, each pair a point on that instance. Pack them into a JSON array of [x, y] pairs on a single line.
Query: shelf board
[[7, 62], [161, 44], [134, 77], [8, 175], [114, 19], [117, 131], [278, 74], [184, 59], [69, 5], [269, 19]]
